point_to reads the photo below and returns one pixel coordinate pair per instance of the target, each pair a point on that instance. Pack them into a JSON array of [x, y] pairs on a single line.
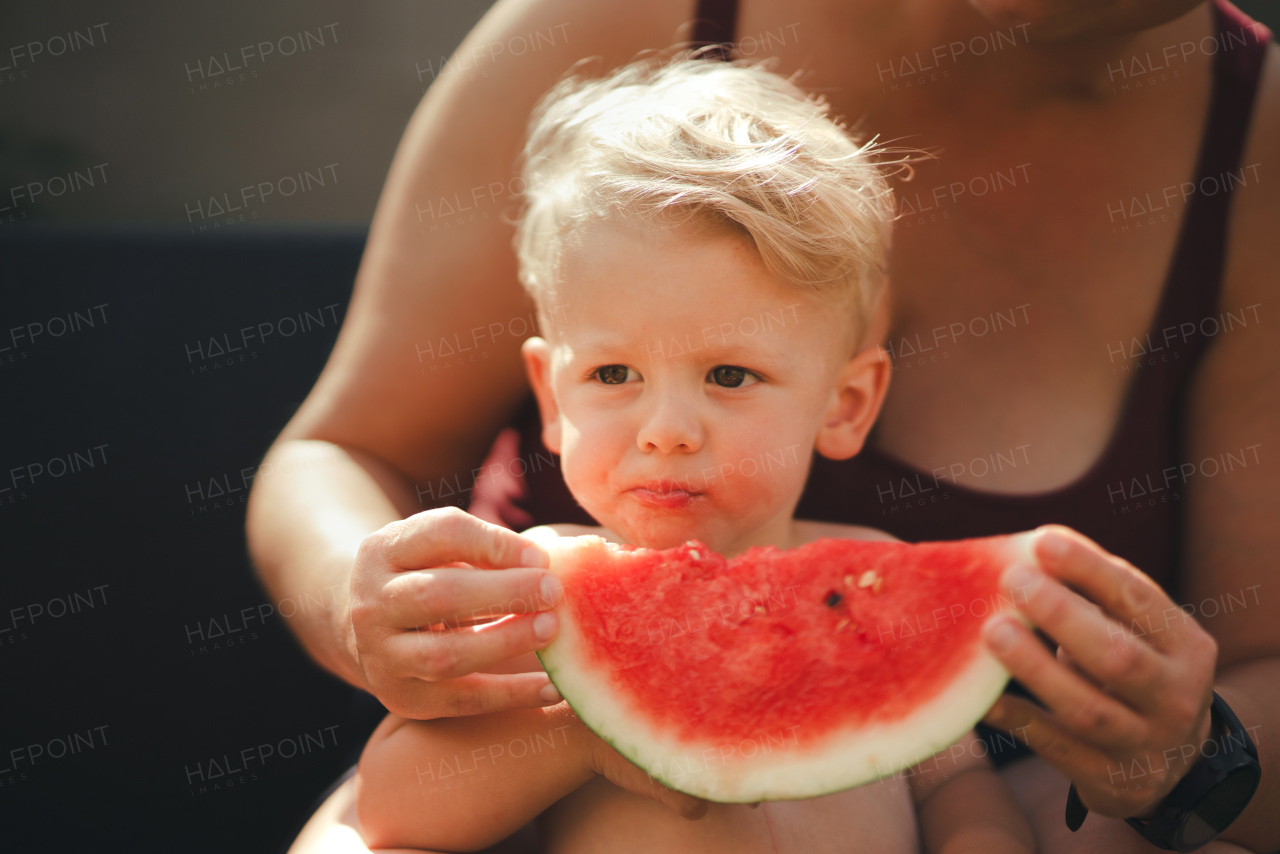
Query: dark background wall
[[140, 662], [139, 658]]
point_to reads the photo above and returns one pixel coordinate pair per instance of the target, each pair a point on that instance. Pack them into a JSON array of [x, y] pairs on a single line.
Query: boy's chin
[[662, 534]]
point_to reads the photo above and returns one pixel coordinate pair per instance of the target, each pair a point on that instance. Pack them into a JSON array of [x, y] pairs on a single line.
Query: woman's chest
[[1024, 264]]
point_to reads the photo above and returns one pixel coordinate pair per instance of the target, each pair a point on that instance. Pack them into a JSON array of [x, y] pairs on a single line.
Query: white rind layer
[[772, 766]]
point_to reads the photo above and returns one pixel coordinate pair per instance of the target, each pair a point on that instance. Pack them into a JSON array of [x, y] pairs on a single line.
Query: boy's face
[[685, 387]]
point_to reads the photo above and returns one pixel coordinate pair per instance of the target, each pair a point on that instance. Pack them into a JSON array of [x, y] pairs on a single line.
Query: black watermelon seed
[[833, 599]]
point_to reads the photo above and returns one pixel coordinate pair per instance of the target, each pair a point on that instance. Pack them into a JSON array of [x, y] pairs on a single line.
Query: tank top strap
[[715, 23], [1191, 295]]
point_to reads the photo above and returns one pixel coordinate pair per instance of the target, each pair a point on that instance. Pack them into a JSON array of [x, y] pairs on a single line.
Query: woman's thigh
[[1041, 791], [334, 828]]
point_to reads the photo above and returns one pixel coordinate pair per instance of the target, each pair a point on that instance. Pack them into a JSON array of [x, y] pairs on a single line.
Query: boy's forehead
[[639, 331], [725, 341], [624, 284], [670, 246], [657, 270]]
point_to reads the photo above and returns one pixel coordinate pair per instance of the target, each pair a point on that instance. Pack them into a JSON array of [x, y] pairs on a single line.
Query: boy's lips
[[664, 493]]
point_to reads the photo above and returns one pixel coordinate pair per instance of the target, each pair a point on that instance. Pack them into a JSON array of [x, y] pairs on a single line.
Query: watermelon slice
[[779, 674]]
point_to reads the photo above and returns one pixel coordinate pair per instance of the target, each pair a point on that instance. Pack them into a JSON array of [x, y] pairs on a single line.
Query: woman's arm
[[425, 372], [1233, 539], [964, 805]]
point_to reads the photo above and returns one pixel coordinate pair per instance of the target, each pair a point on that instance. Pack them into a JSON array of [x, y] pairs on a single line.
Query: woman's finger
[[430, 596], [1104, 783], [1040, 731], [434, 656], [1079, 705], [1100, 648], [448, 535], [479, 694], [1132, 598]]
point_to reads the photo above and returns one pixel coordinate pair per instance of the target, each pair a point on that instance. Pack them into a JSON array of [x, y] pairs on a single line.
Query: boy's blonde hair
[[721, 142]]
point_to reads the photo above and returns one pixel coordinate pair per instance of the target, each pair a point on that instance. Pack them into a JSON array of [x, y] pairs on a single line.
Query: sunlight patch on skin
[[334, 829]]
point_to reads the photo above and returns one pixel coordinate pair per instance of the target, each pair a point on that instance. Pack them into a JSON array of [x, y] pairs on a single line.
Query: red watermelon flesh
[[779, 674]]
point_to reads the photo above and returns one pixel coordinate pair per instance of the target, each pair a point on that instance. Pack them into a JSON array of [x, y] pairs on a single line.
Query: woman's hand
[[1128, 693], [417, 600]]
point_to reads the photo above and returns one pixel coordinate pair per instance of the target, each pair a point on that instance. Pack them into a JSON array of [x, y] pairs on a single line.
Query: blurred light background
[[141, 100]]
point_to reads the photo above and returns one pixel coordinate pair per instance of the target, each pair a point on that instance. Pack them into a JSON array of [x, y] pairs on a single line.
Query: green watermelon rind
[[843, 760]]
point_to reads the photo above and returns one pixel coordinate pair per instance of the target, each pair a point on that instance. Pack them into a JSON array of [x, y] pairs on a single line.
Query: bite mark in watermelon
[[779, 674]]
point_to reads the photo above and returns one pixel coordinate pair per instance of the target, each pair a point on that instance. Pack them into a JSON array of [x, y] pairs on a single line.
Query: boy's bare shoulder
[[807, 531]]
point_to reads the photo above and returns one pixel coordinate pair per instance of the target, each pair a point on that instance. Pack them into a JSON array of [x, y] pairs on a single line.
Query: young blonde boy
[[705, 247]]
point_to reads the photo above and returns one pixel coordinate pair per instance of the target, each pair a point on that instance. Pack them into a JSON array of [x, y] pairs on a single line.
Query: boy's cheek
[[765, 471], [577, 469]]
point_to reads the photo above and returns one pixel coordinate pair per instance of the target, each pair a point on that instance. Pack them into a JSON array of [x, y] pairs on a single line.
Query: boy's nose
[[670, 426]]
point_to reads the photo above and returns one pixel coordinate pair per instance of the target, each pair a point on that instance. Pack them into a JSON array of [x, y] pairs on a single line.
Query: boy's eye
[[731, 377], [613, 374]]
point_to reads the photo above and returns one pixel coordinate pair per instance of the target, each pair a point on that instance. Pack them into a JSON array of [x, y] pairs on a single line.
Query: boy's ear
[[860, 389], [537, 363]]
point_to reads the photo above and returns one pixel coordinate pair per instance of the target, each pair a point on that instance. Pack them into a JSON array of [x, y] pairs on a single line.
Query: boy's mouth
[[664, 493]]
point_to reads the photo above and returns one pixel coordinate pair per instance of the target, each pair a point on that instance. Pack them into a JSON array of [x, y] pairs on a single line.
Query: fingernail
[[552, 590], [1053, 545], [544, 626], [1002, 636], [549, 694], [1023, 580], [533, 556]]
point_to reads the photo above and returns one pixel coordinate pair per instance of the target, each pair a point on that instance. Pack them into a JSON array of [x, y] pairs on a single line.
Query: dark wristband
[[1208, 799]]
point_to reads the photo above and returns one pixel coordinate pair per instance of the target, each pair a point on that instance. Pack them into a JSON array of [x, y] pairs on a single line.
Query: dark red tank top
[[1131, 499]]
